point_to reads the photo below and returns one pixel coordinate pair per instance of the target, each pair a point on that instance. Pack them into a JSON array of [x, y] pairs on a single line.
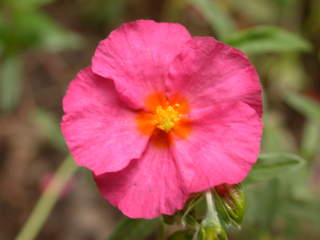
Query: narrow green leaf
[[134, 229], [304, 105], [263, 39], [218, 18], [188, 208], [10, 83], [272, 165], [258, 11], [37, 30], [310, 140], [40, 31]]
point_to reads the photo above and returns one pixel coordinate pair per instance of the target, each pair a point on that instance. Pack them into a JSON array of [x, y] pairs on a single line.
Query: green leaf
[[272, 165], [40, 31], [187, 218], [134, 229], [304, 105], [10, 83], [258, 11], [264, 39], [218, 18], [310, 140]]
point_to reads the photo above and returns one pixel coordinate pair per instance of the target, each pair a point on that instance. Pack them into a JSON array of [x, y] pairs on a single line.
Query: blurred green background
[[44, 43]]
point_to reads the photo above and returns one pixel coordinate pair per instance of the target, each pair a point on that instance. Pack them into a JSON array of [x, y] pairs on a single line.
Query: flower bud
[[231, 203], [215, 232]]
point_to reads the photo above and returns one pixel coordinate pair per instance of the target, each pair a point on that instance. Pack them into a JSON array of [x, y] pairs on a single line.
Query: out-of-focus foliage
[[307, 107], [135, 229], [10, 75], [267, 39], [23, 27], [272, 165], [282, 204], [217, 16]]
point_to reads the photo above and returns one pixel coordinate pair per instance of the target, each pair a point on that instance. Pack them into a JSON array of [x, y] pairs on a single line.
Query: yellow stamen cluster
[[166, 118]]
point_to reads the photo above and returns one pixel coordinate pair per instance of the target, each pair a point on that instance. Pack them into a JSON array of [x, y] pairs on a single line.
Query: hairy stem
[[212, 215], [47, 201]]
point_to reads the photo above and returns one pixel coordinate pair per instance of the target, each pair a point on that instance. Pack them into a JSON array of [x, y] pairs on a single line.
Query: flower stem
[[212, 216], [47, 201]]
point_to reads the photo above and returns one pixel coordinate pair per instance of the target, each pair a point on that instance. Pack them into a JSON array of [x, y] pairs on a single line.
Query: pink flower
[[161, 114]]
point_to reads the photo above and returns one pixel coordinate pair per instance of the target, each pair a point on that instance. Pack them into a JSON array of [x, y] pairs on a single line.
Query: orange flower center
[[164, 118]]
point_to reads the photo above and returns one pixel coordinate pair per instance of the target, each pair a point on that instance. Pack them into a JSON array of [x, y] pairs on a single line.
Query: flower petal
[[99, 129], [148, 187], [207, 71], [221, 148], [136, 57]]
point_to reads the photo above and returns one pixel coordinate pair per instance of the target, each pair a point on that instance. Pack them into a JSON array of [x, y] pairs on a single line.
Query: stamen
[[166, 118]]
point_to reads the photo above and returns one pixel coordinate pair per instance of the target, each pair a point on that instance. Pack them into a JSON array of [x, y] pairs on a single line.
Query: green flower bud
[[215, 232], [231, 203]]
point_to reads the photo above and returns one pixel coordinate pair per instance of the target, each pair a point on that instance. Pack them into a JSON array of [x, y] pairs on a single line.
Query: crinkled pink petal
[[223, 145], [208, 72], [99, 129], [136, 56], [148, 187]]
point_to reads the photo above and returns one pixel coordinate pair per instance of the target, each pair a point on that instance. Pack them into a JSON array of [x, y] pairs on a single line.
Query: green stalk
[[211, 227], [47, 201], [212, 216]]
